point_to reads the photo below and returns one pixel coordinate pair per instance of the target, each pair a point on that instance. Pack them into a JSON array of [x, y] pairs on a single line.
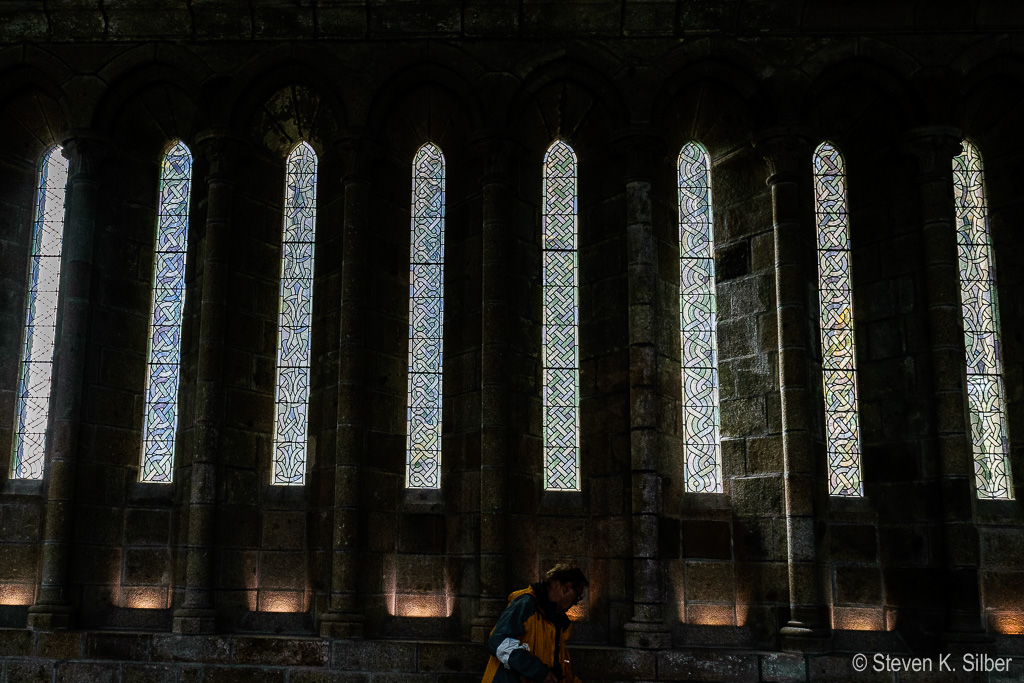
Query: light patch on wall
[[16, 594], [711, 615], [1009, 623], [741, 613], [282, 601], [858, 618], [416, 603], [145, 597]]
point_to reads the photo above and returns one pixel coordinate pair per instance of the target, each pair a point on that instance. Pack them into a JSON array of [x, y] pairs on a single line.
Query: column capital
[[496, 149], [933, 147], [358, 149], [786, 150], [221, 149], [86, 151], [640, 149]]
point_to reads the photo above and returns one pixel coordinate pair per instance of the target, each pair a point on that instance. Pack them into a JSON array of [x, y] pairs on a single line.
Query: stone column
[[647, 628], [344, 617], [197, 613], [948, 456], [495, 450], [85, 154], [788, 155]]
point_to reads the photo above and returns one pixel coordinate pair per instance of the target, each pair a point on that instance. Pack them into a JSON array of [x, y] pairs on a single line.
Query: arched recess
[[571, 102], [862, 109], [427, 183], [31, 121], [287, 201], [991, 116]]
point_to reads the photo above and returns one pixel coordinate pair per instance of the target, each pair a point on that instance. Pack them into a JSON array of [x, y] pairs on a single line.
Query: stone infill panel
[[109, 657]]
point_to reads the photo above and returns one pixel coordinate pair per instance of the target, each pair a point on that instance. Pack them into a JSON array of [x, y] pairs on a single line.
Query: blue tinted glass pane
[[291, 399], [426, 320], [160, 420], [702, 451], [560, 331], [986, 398], [33, 397], [835, 295]]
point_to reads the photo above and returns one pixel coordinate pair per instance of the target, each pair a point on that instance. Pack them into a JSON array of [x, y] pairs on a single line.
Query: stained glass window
[[164, 369], [33, 398], [426, 320], [985, 393], [835, 294], [293, 349], [560, 347], [697, 327]]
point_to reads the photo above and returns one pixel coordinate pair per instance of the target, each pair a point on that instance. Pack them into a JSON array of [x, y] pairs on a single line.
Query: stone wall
[[917, 563]]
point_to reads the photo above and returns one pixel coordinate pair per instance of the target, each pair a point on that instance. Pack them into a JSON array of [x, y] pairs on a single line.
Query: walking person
[[528, 642]]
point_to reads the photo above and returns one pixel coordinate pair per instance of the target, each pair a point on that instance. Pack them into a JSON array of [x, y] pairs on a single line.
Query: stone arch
[[850, 95], [281, 102], [713, 101], [150, 105], [32, 107], [397, 112]]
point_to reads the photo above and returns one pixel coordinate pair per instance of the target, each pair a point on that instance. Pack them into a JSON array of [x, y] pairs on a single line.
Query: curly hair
[[570, 574]]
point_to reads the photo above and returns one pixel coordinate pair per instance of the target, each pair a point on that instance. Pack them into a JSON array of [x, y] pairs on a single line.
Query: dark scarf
[[556, 616]]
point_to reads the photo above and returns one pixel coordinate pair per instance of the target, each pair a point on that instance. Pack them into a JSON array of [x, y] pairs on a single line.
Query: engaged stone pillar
[[85, 154], [495, 452], [197, 613], [948, 455], [344, 617], [789, 162], [647, 628]]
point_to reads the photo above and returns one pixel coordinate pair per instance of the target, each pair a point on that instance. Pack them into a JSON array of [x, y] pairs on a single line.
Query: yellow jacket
[[535, 622]]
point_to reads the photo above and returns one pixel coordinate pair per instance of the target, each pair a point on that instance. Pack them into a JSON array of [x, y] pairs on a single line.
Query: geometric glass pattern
[[163, 372], [697, 326], [560, 352], [33, 398], [426, 320], [835, 292], [291, 400], [985, 391]]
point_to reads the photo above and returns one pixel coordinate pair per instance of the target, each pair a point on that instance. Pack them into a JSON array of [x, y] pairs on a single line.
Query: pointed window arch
[[291, 400], [702, 449], [560, 340], [835, 294], [426, 320], [34, 377], [986, 398], [163, 371]]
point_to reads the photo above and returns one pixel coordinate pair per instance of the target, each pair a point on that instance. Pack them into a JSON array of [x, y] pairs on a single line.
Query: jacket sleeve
[[505, 641]]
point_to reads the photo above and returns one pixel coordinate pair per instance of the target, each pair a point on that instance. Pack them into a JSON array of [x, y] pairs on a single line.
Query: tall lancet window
[[985, 394], [163, 372], [702, 450], [33, 399], [426, 320], [293, 347], [835, 292], [560, 345]]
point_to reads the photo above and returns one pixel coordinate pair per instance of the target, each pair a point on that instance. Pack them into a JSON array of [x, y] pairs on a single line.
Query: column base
[[50, 617], [486, 617], [962, 642], [643, 636], [194, 622], [803, 637], [341, 625]]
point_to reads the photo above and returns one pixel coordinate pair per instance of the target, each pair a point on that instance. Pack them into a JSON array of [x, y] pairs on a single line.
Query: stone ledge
[[131, 657]]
